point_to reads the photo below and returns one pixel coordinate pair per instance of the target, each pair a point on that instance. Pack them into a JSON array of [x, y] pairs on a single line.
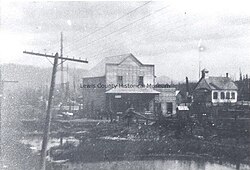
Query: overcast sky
[[166, 34]]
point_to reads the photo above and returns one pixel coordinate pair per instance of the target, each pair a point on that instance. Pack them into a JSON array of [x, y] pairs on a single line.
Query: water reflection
[[35, 142], [152, 165], [35, 145]]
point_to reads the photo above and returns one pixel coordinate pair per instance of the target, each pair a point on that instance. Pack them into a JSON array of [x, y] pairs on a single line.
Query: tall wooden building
[[120, 82]]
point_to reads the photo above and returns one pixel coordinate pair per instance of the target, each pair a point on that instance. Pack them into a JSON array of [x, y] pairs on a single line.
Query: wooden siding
[[130, 70]]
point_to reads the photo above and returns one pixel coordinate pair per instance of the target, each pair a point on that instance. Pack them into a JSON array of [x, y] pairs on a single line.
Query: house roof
[[99, 69], [182, 108], [134, 90], [216, 83]]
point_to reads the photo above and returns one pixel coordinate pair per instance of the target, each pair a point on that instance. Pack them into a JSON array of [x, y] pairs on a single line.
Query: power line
[[52, 48], [140, 35], [105, 51], [122, 28], [146, 32], [121, 32], [136, 37], [110, 23]]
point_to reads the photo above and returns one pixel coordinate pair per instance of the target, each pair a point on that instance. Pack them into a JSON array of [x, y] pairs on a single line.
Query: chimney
[[227, 75], [203, 73]]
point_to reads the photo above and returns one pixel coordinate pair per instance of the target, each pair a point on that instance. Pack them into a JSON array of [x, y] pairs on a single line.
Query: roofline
[[226, 89], [150, 65], [208, 84], [107, 57], [200, 81], [130, 54], [119, 55], [197, 83]]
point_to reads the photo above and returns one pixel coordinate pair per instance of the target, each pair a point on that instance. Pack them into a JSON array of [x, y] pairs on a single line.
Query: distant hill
[[35, 77]]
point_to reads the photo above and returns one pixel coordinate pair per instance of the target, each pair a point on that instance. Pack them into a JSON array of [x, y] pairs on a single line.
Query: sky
[[172, 35]]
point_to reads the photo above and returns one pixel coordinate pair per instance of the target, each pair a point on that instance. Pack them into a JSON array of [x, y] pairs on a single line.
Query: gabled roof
[[99, 69], [216, 83], [202, 84]]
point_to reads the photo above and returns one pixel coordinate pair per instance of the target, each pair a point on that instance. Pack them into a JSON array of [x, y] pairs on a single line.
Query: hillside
[[36, 77]]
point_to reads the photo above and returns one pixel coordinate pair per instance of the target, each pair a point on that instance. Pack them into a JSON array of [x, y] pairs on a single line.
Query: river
[[152, 165], [35, 144]]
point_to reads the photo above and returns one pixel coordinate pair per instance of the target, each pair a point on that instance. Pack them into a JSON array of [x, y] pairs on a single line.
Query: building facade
[[120, 82], [167, 100]]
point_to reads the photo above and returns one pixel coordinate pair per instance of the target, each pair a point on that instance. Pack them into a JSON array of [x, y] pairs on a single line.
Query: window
[[215, 95], [119, 80], [169, 108], [228, 95], [222, 95], [233, 95], [140, 82]]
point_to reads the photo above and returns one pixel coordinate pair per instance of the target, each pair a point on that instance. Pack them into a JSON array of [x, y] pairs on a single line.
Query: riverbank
[[116, 142], [107, 150]]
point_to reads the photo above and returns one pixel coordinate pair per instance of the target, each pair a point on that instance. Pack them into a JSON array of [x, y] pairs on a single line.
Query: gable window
[[233, 95], [141, 81], [215, 95], [222, 95], [119, 80], [228, 95]]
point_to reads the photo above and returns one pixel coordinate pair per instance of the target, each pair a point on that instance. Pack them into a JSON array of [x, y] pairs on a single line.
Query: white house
[[216, 89]]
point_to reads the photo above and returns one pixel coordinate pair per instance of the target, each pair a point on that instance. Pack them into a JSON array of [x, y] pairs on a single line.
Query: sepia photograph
[[125, 85]]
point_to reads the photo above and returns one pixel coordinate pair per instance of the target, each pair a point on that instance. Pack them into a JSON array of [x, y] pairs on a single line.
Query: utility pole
[[48, 112], [1, 98], [62, 74], [67, 97]]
